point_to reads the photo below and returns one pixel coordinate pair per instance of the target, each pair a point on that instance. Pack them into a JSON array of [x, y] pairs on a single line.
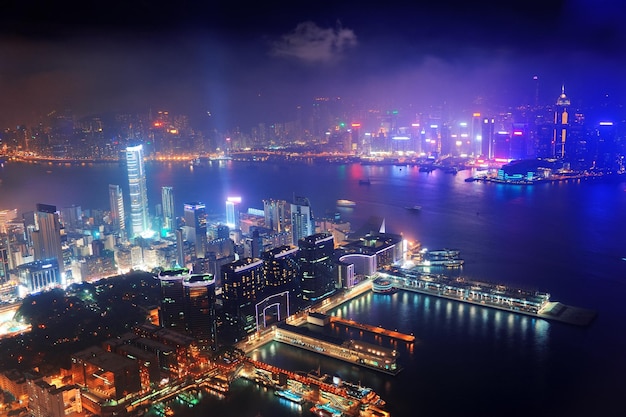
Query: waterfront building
[[302, 224], [172, 309], [243, 284], [169, 216], [47, 234], [317, 274], [372, 252], [196, 227], [109, 375], [487, 137], [199, 307], [118, 215], [282, 272], [138, 191], [232, 212]]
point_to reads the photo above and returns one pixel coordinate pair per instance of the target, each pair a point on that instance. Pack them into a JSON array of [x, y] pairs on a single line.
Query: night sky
[[245, 63]]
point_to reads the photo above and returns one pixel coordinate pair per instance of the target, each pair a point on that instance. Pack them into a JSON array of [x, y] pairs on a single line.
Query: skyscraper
[[195, 224], [243, 285], [316, 267], [118, 216], [167, 201], [171, 309], [276, 214], [232, 212], [138, 191], [199, 306], [47, 234], [561, 124], [302, 224]]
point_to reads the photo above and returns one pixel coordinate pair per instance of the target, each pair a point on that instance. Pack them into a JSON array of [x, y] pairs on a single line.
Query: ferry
[[345, 203], [289, 395], [414, 208], [443, 253]]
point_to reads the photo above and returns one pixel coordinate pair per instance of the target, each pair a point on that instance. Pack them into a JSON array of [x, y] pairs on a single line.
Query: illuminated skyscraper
[[138, 190], [276, 214], [167, 200], [561, 125], [47, 234], [171, 309], [243, 285], [316, 267], [199, 306], [195, 225], [302, 224], [232, 212], [118, 216]]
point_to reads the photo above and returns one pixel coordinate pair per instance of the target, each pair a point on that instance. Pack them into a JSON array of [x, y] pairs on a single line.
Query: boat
[[443, 253], [345, 203], [414, 208], [470, 179], [289, 395]]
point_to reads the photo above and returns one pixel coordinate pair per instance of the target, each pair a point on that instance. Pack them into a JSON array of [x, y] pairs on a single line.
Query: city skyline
[[227, 68]]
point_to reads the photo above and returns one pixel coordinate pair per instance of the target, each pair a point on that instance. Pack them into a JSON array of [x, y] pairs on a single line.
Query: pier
[[373, 329]]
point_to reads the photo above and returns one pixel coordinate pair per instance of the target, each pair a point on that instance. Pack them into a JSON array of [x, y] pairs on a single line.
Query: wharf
[[374, 329], [567, 314]]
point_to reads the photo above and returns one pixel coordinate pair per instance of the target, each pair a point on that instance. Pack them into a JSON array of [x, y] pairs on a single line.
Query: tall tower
[[118, 217], [302, 224], [232, 212], [138, 190], [47, 235], [561, 124], [276, 214], [195, 222], [171, 309], [199, 305], [243, 284], [316, 268], [167, 201]]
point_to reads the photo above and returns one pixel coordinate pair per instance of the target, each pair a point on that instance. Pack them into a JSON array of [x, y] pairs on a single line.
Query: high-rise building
[[302, 223], [169, 213], [232, 212], [139, 219], [243, 284], [282, 272], [276, 214], [316, 267], [172, 308], [195, 225], [118, 216], [561, 125], [199, 305], [47, 234]]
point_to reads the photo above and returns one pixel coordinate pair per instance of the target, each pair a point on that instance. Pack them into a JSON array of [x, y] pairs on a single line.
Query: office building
[[196, 227], [302, 223], [118, 215], [46, 400], [243, 284], [276, 214], [169, 214], [199, 307], [232, 212], [47, 234], [37, 276], [172, 309], [316, 266], [561, 125], [282, 272], [139, 218]]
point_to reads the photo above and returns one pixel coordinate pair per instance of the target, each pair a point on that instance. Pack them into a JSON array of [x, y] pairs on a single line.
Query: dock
[[567, 314], [373, 329]]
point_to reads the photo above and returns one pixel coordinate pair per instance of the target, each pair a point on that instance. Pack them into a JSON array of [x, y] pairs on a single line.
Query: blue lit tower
[[276, 214], [118, 216], [561, 124], [167, 202], [199, 307], [172, 307], [232, 212], [138, 190], [195, 222], [316, 266], [302, 223], [47, 235]]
